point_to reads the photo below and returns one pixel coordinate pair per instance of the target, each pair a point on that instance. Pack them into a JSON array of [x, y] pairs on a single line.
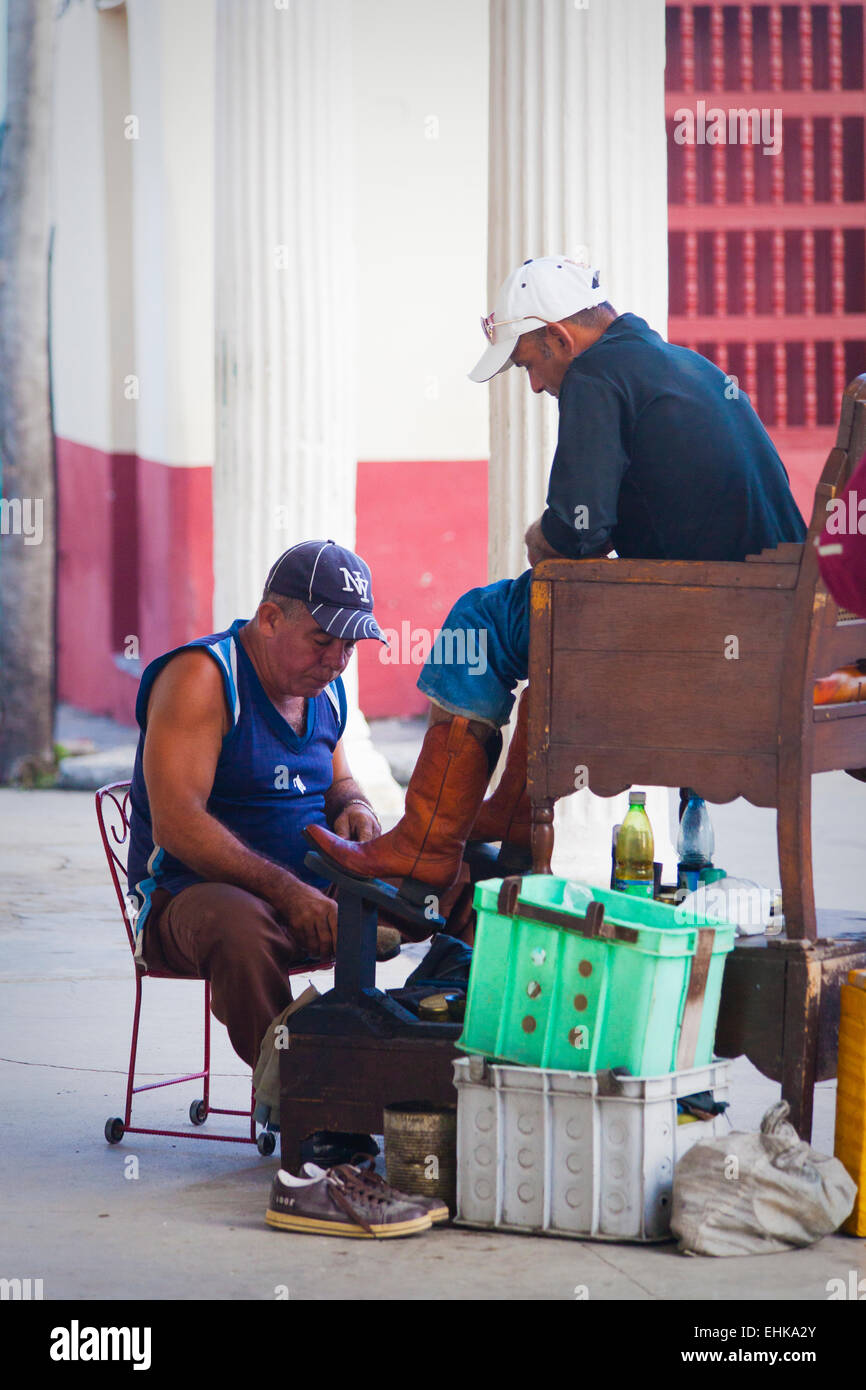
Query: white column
[[285, 304], [169, 129], [577, 159]]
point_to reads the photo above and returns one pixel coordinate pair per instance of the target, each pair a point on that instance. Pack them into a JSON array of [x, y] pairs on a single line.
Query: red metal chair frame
[[112, 813]]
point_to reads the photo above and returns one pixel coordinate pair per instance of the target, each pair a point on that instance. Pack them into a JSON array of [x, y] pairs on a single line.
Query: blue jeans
[[481, 652]]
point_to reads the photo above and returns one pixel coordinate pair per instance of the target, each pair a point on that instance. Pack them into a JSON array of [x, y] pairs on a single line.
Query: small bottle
[[613, 835], [633, 855], [695, 842]]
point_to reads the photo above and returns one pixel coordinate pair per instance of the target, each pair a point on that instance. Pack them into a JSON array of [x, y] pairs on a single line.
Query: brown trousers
[[216, 932]]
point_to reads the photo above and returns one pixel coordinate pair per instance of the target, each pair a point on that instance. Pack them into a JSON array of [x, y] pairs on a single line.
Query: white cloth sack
[[755, 1194]]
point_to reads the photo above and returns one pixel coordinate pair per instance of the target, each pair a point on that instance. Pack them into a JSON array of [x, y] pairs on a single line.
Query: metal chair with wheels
[[112, 813]]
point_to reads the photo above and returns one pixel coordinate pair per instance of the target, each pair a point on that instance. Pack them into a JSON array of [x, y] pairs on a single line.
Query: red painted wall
[[175, 556], [422, 528], [135, 556], [767, 265], [134, 559]]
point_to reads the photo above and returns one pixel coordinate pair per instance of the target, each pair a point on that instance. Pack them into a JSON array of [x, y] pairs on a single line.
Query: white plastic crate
[[567, 1153]]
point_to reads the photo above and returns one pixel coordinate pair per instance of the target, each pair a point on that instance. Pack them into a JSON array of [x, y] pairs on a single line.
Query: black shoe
[[327, 1147]]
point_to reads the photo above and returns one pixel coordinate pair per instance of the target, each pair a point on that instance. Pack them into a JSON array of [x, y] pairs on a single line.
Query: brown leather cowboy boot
[[506, 814], [442, 801]]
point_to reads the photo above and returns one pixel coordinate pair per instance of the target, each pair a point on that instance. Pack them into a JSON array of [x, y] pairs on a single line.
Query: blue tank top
[[269, 782]]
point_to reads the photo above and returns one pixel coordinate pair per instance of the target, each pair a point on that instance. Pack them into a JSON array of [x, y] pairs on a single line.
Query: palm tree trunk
[[27, 492]]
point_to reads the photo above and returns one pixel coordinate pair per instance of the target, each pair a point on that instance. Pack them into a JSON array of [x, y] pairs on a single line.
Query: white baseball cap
[[545, 289]]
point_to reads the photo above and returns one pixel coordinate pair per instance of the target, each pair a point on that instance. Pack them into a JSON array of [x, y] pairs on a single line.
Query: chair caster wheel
[[114, 1130], [198, 1112], [266, 1142]]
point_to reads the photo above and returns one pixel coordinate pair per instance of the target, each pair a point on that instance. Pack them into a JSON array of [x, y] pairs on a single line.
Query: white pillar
[[285, 298], [170, 131], [577, 158]]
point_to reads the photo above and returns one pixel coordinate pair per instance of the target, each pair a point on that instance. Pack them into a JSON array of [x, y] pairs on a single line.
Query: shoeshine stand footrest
[[358, 904], [354, 1050]]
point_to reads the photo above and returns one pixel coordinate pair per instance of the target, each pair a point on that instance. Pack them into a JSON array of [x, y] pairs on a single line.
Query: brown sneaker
[[434, 1206], [342, 1202]]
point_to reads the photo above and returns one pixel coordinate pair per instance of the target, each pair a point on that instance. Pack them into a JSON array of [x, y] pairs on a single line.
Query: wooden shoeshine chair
[[701, 674]]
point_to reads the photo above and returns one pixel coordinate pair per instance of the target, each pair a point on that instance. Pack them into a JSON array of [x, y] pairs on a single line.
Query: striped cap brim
[[350, 624]]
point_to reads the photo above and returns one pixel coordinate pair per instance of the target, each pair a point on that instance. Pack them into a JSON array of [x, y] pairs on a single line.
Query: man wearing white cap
[[659, 456]]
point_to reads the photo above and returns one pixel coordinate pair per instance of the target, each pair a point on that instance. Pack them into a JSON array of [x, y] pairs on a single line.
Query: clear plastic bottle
[[633, 856], [695, 842]]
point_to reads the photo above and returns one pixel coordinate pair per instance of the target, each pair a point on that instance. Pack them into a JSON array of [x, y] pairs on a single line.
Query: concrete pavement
[[186, 1220]]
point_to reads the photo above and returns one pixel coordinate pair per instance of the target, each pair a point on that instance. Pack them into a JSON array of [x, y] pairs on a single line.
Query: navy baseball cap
[[334, 583]]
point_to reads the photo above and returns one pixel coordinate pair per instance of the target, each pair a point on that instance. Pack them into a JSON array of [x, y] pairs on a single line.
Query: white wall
[[80, 329], [133, 256], [172, 94], [420, 72]]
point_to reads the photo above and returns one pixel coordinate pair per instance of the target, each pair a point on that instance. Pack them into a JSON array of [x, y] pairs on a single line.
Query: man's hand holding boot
[[357, 822]]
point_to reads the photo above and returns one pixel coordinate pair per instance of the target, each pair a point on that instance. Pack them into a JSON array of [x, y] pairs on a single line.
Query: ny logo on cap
[[354, 579]]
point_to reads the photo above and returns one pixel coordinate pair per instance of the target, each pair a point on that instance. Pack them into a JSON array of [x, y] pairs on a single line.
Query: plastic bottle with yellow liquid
[[633, 855]]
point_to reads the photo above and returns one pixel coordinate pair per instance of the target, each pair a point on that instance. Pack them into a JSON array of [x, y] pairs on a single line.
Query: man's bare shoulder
[[189, 689]]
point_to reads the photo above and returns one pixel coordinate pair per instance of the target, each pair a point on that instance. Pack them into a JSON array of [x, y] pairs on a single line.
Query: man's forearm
[[340, 794], [537, 545], [206, 846]]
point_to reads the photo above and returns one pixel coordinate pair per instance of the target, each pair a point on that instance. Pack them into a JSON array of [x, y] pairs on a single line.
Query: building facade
[[277, 224], [155, 189]]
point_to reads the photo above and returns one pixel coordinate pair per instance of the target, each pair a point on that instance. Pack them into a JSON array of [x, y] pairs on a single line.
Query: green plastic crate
[[581, 994]]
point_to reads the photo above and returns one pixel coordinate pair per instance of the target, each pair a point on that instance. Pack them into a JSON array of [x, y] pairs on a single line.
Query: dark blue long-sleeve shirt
[[661, 457]]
